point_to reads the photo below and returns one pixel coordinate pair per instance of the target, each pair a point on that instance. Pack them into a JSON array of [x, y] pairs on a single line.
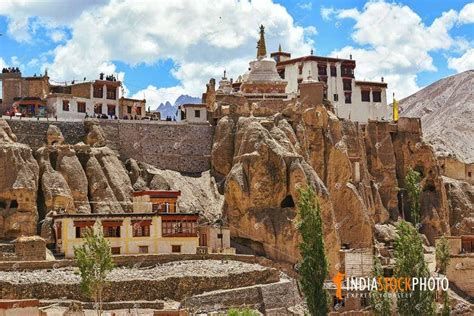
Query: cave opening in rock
[[13, 204], [3, 204], [429, 187], [420, 170], [287, 202], [53, 158]]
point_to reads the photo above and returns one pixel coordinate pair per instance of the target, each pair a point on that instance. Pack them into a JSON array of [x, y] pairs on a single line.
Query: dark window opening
[[322, 70], [300, 69], [3, 204], [429, 187], [111, 94], [469, 174], [347, 84], [112, 231], [333, 71], [420, 170], [129, 109], [65, 105], [365, 96], [348, 98], [197, 113], [347, 71], [78, 232], [287, 202], [336, 97], [377, 96], [142, 249], [98, 92], [115, 250], [323, 79], [81, 107], [14, 204], [176, 248], [98, 109]]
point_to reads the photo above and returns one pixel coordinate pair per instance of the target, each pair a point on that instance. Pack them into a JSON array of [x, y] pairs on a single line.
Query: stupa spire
[[261, 46]]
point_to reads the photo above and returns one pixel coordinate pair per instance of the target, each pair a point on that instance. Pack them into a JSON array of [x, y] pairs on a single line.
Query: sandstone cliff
[[357, 172], [19, 174]]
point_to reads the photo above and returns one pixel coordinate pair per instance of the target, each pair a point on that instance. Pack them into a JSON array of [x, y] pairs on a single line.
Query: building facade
[[37, 97], [132, 108], [193, 113], [131, 233], [353, 99]]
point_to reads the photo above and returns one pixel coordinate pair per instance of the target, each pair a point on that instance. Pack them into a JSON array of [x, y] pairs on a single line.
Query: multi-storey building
[[155, 226], [353, 99], [37, 97]]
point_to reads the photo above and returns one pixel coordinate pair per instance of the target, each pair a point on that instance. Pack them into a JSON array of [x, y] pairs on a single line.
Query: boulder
[[95, 135]]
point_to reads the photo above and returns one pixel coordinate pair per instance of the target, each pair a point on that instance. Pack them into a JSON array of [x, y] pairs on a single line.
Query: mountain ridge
[[169, 110], [446, 109]]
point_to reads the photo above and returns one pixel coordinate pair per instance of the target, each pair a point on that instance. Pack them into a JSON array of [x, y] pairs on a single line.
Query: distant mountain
[[170, 110], [446, 109]]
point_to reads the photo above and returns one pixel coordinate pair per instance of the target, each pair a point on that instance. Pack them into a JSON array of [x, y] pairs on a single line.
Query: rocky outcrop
[[198, 193], [461, 206], [261, 188], [18, 186]]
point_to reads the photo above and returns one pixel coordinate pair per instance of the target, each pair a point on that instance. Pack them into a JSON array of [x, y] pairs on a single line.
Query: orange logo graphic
[[338, 281]]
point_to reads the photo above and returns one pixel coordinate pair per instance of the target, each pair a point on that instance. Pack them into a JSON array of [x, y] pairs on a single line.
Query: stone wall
[[176, 146], [167, 145]]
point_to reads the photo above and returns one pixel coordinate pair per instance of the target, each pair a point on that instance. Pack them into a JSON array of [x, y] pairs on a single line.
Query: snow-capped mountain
[[446, 109], [170, 110]]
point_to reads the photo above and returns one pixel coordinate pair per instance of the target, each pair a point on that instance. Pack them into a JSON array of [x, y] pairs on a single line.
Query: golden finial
[[261, 47]]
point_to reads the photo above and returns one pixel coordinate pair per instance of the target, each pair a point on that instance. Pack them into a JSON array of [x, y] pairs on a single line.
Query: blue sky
[[162, 51]]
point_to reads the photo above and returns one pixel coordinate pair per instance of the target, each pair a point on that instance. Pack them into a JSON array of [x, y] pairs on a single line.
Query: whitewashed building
[[353, 99]]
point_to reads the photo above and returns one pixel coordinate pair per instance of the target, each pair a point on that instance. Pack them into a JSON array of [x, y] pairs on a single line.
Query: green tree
[[412, 184], [443, 256], [380, 301], [314, 268], [94, 259], [410, 262]]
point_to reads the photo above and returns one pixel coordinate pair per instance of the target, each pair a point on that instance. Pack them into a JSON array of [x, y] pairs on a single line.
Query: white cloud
[[310, 30], [155, 96], [306, 6], [58, 36], [396, 55], [466, 15], [463, 63], [202, 38], [327, 13]]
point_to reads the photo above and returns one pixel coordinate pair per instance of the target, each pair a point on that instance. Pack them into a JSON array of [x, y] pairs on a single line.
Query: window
[[142, 249], [141, 229], [365, 95], [111, 109], [203, 240], [347, 71], [98, 92], [175, 248], [115, 250], [197, 113], [65, 105], [129, 109], [348, 99], [111, 231], [347, 84], [81, 107], [323, 79], [377, 96], [322, 70], [98, 108], [281, 73], [333, 71], [59, 228], [469, 174], [81, 231], [336, 97], [300, 69], [138, 110], [178, 228], [111, 93]]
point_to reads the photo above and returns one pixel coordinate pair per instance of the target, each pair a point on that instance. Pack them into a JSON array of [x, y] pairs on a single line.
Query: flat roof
[[316, 58], [198, 105], [158, 193], [123, 215], [371, 83]]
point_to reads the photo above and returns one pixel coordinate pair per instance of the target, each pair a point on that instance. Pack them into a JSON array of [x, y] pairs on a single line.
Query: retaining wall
[[166, 145]]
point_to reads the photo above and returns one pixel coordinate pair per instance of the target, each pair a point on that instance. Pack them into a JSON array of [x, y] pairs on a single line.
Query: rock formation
[[18, 186], [357, 172], [461, 206]]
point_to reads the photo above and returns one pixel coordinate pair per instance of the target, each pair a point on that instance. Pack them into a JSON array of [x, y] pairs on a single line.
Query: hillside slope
[[446, 109]]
